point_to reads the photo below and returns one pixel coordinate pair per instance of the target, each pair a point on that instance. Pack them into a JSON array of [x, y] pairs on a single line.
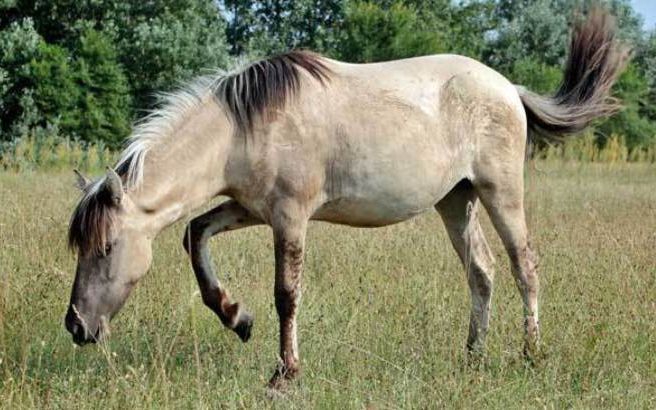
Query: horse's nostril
[[79, 333], [75, 327]]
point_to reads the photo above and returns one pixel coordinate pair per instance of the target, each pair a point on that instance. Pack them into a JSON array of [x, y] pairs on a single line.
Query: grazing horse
[[300, 137]]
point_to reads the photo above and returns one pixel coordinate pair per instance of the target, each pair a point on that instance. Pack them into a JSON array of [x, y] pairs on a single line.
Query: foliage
[[161, 49], [269, 27], [87, 69], [52, 81], [50, 92], [529, 30], [375, 33], [536, 76], [632, 90], [104, 98], [19, 45], [158, 43]]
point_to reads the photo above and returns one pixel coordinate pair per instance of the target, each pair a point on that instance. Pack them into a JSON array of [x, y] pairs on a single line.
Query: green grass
[[383, 319]]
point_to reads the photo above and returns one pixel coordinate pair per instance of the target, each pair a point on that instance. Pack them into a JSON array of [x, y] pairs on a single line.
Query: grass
[[383, 319]]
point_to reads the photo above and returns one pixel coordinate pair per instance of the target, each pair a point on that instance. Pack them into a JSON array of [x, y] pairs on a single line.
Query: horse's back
[[380, 143], [401, 134], [421, 79]]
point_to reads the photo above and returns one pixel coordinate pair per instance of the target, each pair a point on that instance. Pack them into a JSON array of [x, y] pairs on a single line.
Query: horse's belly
[[363, 213], [387, 180], [382, 201]]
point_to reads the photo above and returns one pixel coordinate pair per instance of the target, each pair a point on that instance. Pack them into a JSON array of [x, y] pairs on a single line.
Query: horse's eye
[[108, 248]]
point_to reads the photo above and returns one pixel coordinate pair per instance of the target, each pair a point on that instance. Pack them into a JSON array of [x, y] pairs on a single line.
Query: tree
[[528, 30], [530, 47], [160, 52], [51, 81], [103, 104], [269, 27], [374, 33], [38, 86], [638, 129], [19, 44], [158, 42]]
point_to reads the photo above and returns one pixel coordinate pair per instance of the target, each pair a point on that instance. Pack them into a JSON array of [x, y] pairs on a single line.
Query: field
[[383, 319]]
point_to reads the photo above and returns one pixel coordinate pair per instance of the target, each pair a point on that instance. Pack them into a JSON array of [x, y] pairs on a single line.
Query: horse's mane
[[254, 92], [264, 86], [92, 221]]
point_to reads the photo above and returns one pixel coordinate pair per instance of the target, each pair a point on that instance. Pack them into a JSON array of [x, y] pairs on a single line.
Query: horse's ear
[[113, 187], [82, 181]]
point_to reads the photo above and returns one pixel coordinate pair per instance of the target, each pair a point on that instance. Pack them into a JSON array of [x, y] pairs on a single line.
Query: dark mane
[[264, 87], [257, 91], [92, 221]]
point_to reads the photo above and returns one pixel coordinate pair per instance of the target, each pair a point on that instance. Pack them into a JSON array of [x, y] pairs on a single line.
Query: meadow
[[383, 319]]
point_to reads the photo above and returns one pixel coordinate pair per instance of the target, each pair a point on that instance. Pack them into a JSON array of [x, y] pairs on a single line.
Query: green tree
[[38, 86], [537, 30], [638, 129], [158, 42], [44, 87], [19, 44], [268, 27], [160, 51], [374, 33], [103, 105], [55, 93]]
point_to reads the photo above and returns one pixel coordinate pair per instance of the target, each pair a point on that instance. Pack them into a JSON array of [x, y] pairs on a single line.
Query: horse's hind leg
[[225, 217], [459, 211], [503, 198]]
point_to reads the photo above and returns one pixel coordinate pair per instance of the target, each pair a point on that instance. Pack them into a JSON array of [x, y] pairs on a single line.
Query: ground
[[383, 319]]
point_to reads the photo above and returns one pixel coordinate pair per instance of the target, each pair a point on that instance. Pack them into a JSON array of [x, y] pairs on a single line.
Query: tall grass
[[57, 154], [54, 154], [384, 315], [586, 149]]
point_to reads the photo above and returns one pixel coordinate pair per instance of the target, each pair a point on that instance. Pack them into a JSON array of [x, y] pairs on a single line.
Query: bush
[[160, 51], [632, 90], [374, 33], [104, 104], [19, 45], [537, 77]]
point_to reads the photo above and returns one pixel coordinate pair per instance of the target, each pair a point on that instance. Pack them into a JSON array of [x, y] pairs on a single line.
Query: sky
[[648, 10]]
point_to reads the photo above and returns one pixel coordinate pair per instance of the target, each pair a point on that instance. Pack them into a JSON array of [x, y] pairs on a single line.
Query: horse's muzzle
[[81, 335]]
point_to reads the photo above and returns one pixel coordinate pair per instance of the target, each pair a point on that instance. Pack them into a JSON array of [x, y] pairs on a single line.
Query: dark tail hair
[[595, 61]]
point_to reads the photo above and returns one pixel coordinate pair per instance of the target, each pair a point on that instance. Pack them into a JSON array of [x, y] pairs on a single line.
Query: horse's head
[[113, 254]]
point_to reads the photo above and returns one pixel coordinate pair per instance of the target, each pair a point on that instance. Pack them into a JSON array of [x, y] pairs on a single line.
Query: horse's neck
[[184, 171]]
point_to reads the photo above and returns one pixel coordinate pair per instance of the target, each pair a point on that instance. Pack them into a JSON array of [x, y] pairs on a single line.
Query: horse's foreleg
[[289, 239], [225, 217], [459, 211]]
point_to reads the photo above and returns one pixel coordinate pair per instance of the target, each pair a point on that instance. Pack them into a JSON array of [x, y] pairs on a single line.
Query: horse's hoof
[[244, 326], [532, 354], [282, 377], [476, 357]]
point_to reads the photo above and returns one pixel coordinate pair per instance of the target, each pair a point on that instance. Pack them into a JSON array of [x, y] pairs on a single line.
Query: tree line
[[87, 69]]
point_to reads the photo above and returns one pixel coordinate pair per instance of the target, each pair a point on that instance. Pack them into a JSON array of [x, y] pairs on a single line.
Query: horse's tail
[[595, 60]]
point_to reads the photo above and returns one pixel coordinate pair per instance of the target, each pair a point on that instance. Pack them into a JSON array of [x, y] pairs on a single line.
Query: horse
[[299, 137]]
